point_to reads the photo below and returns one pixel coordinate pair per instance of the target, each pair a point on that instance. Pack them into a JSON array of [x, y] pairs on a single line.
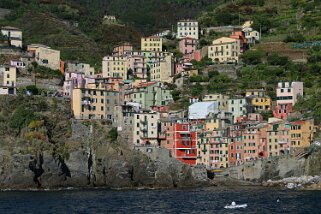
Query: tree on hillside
[[253, 57]]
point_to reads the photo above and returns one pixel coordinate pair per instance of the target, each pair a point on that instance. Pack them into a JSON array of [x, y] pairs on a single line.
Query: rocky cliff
[[277, 168], [42, 147]]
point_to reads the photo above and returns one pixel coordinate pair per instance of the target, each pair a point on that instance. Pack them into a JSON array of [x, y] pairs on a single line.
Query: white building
[[237, 107], [252, 36], [201, 110], [224, 50], [13, 34], [18, 64], [8, 79], [187, 28]]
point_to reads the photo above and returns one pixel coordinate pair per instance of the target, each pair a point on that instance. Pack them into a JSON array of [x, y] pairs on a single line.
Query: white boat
[[235, 206]]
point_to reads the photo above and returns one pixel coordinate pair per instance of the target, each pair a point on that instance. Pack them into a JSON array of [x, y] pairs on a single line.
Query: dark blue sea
[[201, 200]]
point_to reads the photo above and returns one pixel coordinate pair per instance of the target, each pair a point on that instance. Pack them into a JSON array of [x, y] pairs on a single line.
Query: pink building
[[188, 45], [196, 55], [250, 117], [288, 92], [287, 95], [137, 63], [251, 141]]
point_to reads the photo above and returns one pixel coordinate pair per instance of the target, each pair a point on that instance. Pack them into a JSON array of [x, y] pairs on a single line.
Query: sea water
[[198, 200]]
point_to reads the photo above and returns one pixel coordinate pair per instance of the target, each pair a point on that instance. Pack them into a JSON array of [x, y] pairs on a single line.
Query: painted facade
[[224, 50], [97, 100], [145, 127], [115, 67], [8, 79], [187, 28], [13, 34], [188, 45], [152, 43]]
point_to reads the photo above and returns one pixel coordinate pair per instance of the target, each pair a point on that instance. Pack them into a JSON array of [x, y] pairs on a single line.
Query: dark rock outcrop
[[95, 164]]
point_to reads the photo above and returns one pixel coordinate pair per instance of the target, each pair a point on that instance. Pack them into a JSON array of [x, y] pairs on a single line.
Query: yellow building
[[96, 101], [115, 66], [152, 43], [259, 100], [212, 123], [220, 98], [302, 133], [8, 75], [203, 148], [224, 50]]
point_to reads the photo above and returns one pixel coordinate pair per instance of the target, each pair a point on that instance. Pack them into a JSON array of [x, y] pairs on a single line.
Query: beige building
[[277, 137], [220, 98], [115, 66], [96, 101], [80, 68], [45, 56], [152, 43], [145, 127], [13, 34], [8, 79], [224, 50], [162, 70], [122, 49]]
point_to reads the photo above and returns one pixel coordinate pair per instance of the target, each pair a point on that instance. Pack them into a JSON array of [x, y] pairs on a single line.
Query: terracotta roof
[[146, 84]]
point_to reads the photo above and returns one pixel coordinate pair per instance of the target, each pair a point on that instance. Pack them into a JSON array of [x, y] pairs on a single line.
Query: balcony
[[86, 102], [144, 122], [188, 156], [282, 142], [143, 129]]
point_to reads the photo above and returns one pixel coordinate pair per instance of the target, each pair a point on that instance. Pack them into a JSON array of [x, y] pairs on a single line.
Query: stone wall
[[48, 84]]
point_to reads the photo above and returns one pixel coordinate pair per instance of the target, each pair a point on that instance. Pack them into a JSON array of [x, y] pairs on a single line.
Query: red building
[[236, 151], [281, 111], [241, 36], [185, 144]]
